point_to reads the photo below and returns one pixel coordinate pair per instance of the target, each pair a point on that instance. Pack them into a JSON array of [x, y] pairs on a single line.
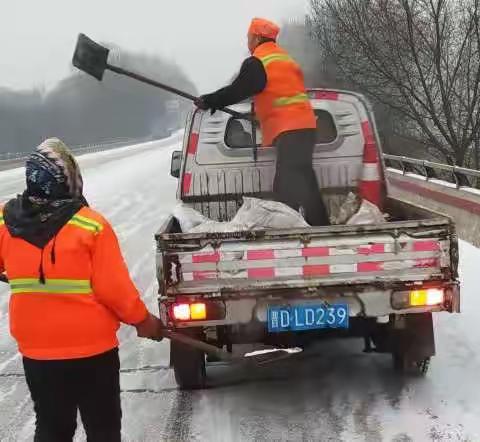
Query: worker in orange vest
[[70, 289], [286, 117]]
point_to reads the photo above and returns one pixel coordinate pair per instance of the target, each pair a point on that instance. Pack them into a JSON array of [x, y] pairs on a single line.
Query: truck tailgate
[[300, 258]]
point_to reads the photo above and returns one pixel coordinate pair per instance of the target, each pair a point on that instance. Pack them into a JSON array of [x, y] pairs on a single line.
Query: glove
[[206, 102], [151, 327]]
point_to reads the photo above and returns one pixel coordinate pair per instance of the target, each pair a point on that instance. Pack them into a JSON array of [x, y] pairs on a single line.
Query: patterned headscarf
[[54, 194], [52, 173]]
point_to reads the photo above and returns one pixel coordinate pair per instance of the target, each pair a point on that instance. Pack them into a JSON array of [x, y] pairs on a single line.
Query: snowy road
[[334, 392]]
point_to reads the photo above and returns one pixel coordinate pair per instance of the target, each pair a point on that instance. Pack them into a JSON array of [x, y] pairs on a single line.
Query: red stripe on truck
[[262, 273], [205, 257], [370, 154], [426, 246], [325, 95], [370, 185], [193, 143], [316, 270], [371, 191], [186, 183], [315, 251], [254, 255], [365, 267], [371, 249]]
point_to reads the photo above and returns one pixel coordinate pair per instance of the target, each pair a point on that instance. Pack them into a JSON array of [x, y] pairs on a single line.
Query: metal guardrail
[[460, 176], [17, 157]]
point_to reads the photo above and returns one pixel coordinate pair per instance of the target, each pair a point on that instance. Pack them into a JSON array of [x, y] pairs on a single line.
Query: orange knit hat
[[264, 28]]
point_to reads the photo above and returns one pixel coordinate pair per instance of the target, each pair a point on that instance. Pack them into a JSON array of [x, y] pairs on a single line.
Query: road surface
[[333, 393]]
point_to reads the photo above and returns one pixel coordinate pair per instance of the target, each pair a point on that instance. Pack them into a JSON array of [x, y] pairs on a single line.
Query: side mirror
[[176, 163]]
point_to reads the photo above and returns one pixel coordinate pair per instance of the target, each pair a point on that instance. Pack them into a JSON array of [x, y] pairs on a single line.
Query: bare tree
[[297, 38], [420, 58]]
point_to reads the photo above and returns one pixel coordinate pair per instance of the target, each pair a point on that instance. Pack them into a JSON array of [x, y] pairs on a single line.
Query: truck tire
[[414, 344], [402, 364], [188, 366]]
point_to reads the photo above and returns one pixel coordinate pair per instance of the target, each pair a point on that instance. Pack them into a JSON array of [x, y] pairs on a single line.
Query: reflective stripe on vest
[[51, 286], [286, 101], [275, 57], [86, 223], [1, 220]]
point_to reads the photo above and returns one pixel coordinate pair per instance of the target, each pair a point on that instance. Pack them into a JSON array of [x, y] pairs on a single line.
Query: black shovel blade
[[90, 57]]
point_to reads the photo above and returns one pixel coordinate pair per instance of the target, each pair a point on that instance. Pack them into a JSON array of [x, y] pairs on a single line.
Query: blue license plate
[[307, 317]]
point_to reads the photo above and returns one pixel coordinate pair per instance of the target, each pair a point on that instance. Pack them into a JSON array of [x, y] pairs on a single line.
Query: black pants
[[295, 182], [60, 388]]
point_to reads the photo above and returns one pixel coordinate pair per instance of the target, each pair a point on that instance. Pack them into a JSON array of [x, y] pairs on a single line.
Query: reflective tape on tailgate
[[376, 255]]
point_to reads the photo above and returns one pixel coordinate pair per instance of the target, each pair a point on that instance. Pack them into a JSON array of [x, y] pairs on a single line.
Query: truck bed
[[415, 249]]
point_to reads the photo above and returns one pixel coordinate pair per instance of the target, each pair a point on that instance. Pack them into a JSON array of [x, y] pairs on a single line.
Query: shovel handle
[[167, 88], [196, 343]]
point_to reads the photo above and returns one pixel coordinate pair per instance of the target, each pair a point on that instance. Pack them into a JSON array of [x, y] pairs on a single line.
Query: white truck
[[381, 282]]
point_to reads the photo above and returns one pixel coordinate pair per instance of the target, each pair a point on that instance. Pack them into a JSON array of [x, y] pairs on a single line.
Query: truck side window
[[238, 134], [326, 130]]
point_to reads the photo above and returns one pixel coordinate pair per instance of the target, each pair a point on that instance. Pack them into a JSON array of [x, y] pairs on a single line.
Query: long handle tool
[[92, 58]]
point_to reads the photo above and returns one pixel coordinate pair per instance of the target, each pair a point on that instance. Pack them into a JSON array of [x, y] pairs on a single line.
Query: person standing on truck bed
[[70, 290], [286, 117]]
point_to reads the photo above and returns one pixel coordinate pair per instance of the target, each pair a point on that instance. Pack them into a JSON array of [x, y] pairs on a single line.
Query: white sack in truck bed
[[356, 211], [254, 214]]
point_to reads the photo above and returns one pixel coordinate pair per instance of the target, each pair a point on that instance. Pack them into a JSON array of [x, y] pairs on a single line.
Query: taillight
[[426, 297], [198, 311], [418, 298]]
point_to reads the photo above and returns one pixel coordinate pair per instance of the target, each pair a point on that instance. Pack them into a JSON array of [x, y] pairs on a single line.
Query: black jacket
[[251, 80]]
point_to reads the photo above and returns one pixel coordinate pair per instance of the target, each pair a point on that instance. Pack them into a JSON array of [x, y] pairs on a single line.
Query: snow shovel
[[92, 58], [257, 358]]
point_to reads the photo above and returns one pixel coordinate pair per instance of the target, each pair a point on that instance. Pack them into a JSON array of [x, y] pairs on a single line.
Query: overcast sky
[[205, 37]]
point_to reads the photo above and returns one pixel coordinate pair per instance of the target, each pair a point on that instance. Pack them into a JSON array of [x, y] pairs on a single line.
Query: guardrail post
[[461, 180]]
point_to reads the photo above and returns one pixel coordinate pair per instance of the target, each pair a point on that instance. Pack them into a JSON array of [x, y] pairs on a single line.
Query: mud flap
[[413, 336]]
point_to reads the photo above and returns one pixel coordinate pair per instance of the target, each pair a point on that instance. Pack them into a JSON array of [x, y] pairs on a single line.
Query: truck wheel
[[414, 344], [188, 366], [404, 365]]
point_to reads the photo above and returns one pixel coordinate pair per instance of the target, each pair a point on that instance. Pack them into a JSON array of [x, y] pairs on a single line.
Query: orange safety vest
[[284, 104], [87, 290]]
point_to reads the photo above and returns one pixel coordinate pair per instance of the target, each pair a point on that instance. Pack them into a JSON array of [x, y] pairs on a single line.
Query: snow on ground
[[331, 392]]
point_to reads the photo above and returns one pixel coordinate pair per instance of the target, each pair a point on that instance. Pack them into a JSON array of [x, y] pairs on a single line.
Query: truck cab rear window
[[238, 134]]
